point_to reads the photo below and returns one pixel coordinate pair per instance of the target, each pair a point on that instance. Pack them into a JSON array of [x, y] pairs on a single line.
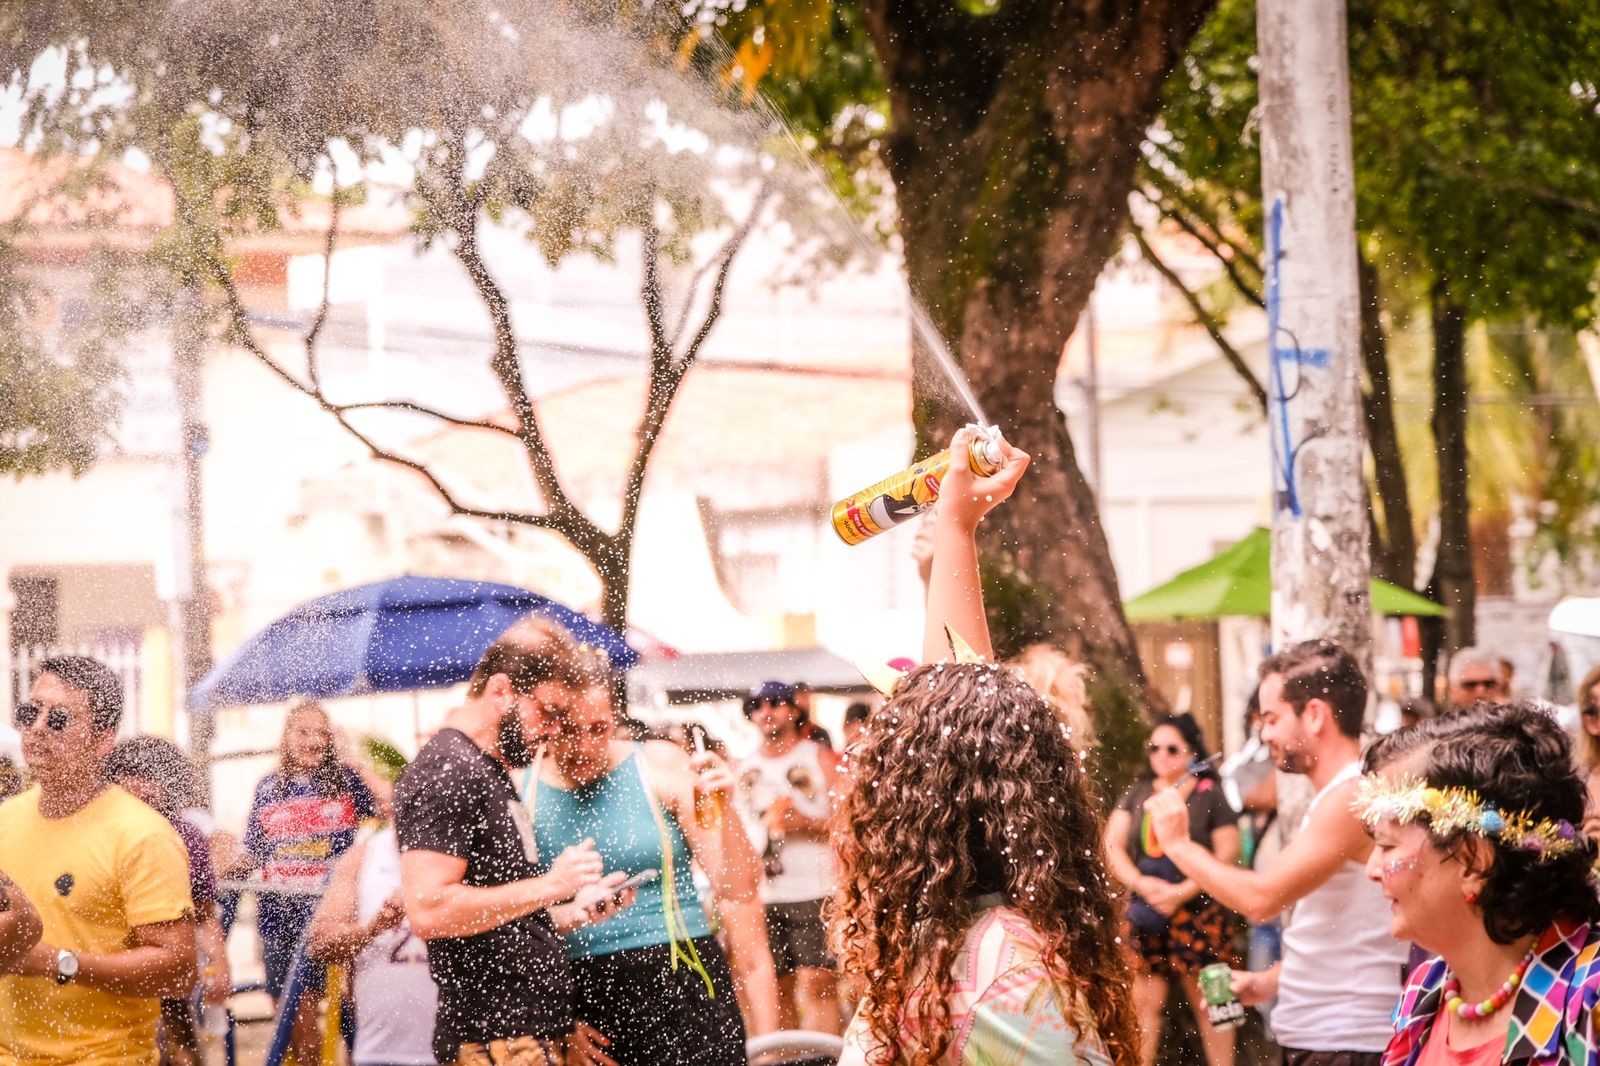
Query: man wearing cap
[[784, 791]]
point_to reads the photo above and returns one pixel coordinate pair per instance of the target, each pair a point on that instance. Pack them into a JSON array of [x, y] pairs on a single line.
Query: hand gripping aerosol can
[[910, 492]]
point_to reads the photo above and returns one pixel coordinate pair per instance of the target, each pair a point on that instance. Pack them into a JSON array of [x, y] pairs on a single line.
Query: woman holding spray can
[[973, 914]]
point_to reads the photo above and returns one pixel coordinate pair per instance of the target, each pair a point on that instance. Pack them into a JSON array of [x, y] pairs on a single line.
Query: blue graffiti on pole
[[1285, 489]]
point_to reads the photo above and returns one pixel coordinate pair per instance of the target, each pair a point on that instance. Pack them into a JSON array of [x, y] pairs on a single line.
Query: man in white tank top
[[1339, 980], [784, 800]]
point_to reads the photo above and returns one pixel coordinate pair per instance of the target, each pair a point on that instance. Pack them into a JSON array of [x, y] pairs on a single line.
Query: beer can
[[1223, 1008], [900, 498]]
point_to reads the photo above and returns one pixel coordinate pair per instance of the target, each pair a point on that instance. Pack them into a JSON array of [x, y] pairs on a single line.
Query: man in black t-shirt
[[475, 887]]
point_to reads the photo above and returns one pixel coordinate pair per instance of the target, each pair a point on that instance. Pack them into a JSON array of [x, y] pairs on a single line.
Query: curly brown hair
[[967, 782]]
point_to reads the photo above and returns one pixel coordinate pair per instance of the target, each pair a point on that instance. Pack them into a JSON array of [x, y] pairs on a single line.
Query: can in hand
[[1223, 1008], [912, 491]]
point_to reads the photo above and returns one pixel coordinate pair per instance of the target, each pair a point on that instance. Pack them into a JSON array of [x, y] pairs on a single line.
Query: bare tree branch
[[244, 336], [1206, 319], [699, 275], [431, 412], [664, 380], [714, 309], [460, 211], [1190, 213], [313, 371], [653, 299], [1223, 250]]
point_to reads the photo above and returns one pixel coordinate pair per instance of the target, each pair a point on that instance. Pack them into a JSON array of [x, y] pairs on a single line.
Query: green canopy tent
[[1239, 582]]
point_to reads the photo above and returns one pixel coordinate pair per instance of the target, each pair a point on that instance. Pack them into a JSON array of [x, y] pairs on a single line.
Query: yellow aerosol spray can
[[912, 491]]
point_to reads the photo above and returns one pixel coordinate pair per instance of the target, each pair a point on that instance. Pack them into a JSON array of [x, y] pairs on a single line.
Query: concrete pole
[[1320, 561]]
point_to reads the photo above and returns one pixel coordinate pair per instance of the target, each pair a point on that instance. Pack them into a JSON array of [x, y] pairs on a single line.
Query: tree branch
[[461, 214], [313, 371], [244, 336], [651, 296], [1206, 319], [699, 275], [1169, 198], [423, 409], [666, 377], [1213, 244], [731, 249]]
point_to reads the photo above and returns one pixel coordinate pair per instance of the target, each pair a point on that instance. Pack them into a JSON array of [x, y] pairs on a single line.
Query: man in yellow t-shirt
[[110, 880]]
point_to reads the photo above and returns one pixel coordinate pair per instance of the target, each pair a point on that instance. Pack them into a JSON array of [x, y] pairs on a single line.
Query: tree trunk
[[1013, 146], [1394, 548], [1452, 581]]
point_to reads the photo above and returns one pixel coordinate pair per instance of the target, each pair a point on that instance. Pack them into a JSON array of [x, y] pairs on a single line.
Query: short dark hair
[[1322, 670], [536, 653], [95, 680], [1518, 758], [154, 759], [857, 712]]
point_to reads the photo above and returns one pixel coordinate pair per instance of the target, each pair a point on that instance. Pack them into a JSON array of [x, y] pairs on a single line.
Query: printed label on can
[[1225, 1015], [890, 502]]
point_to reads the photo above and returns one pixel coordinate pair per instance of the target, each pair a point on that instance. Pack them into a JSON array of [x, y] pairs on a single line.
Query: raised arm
[[1333, 837], [955, 595]]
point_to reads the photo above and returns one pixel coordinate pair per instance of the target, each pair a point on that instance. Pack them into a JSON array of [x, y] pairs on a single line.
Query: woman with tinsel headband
[[1475, 823]]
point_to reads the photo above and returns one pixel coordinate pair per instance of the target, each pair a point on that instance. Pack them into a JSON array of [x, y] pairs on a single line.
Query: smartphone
[[644, 877]]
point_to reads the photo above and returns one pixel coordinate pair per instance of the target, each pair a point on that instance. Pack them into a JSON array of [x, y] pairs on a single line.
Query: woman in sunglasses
[[1588, 748], [1176, 930]]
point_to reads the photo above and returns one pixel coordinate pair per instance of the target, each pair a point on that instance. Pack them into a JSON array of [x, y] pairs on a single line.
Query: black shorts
[[653, 1014], [797, 936], [1292, 1057]]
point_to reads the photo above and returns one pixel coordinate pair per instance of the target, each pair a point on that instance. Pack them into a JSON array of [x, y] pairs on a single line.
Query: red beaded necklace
[[1501, 996]]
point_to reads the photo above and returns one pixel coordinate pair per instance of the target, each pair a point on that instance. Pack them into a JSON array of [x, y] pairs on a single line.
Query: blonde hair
[[1587, 749], [1060, 680]]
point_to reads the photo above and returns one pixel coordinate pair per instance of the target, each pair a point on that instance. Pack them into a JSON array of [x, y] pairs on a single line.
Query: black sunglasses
[[1482, 682], [1170, 749], [55, 719], [1590, 712]]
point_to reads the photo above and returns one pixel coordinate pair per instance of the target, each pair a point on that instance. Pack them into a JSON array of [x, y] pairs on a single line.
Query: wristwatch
[[66, 966]]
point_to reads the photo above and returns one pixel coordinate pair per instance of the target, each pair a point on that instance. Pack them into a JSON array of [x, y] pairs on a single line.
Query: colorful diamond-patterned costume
[[1005, 1010], [1552, 1017]]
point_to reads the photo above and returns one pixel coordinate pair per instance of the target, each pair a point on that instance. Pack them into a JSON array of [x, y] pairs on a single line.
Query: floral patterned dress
[[1005, 1010]]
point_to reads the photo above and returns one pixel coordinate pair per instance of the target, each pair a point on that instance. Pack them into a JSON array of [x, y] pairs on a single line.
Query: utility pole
[[190, 611], [1320, 562]]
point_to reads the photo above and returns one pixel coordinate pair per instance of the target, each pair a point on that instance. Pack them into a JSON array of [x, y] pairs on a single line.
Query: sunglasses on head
[[1170, 749], [55, 719]]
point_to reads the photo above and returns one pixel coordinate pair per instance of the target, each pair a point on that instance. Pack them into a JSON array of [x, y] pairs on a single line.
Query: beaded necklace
[[1500, 997]]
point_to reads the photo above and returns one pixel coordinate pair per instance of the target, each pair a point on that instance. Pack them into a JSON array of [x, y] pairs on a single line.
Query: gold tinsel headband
[[1451, 810]]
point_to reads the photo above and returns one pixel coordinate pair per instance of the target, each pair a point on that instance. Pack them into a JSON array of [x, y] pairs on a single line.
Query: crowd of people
[[547, 884]]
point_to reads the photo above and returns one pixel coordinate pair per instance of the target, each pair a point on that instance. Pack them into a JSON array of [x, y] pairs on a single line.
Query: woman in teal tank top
[[652, 985]]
